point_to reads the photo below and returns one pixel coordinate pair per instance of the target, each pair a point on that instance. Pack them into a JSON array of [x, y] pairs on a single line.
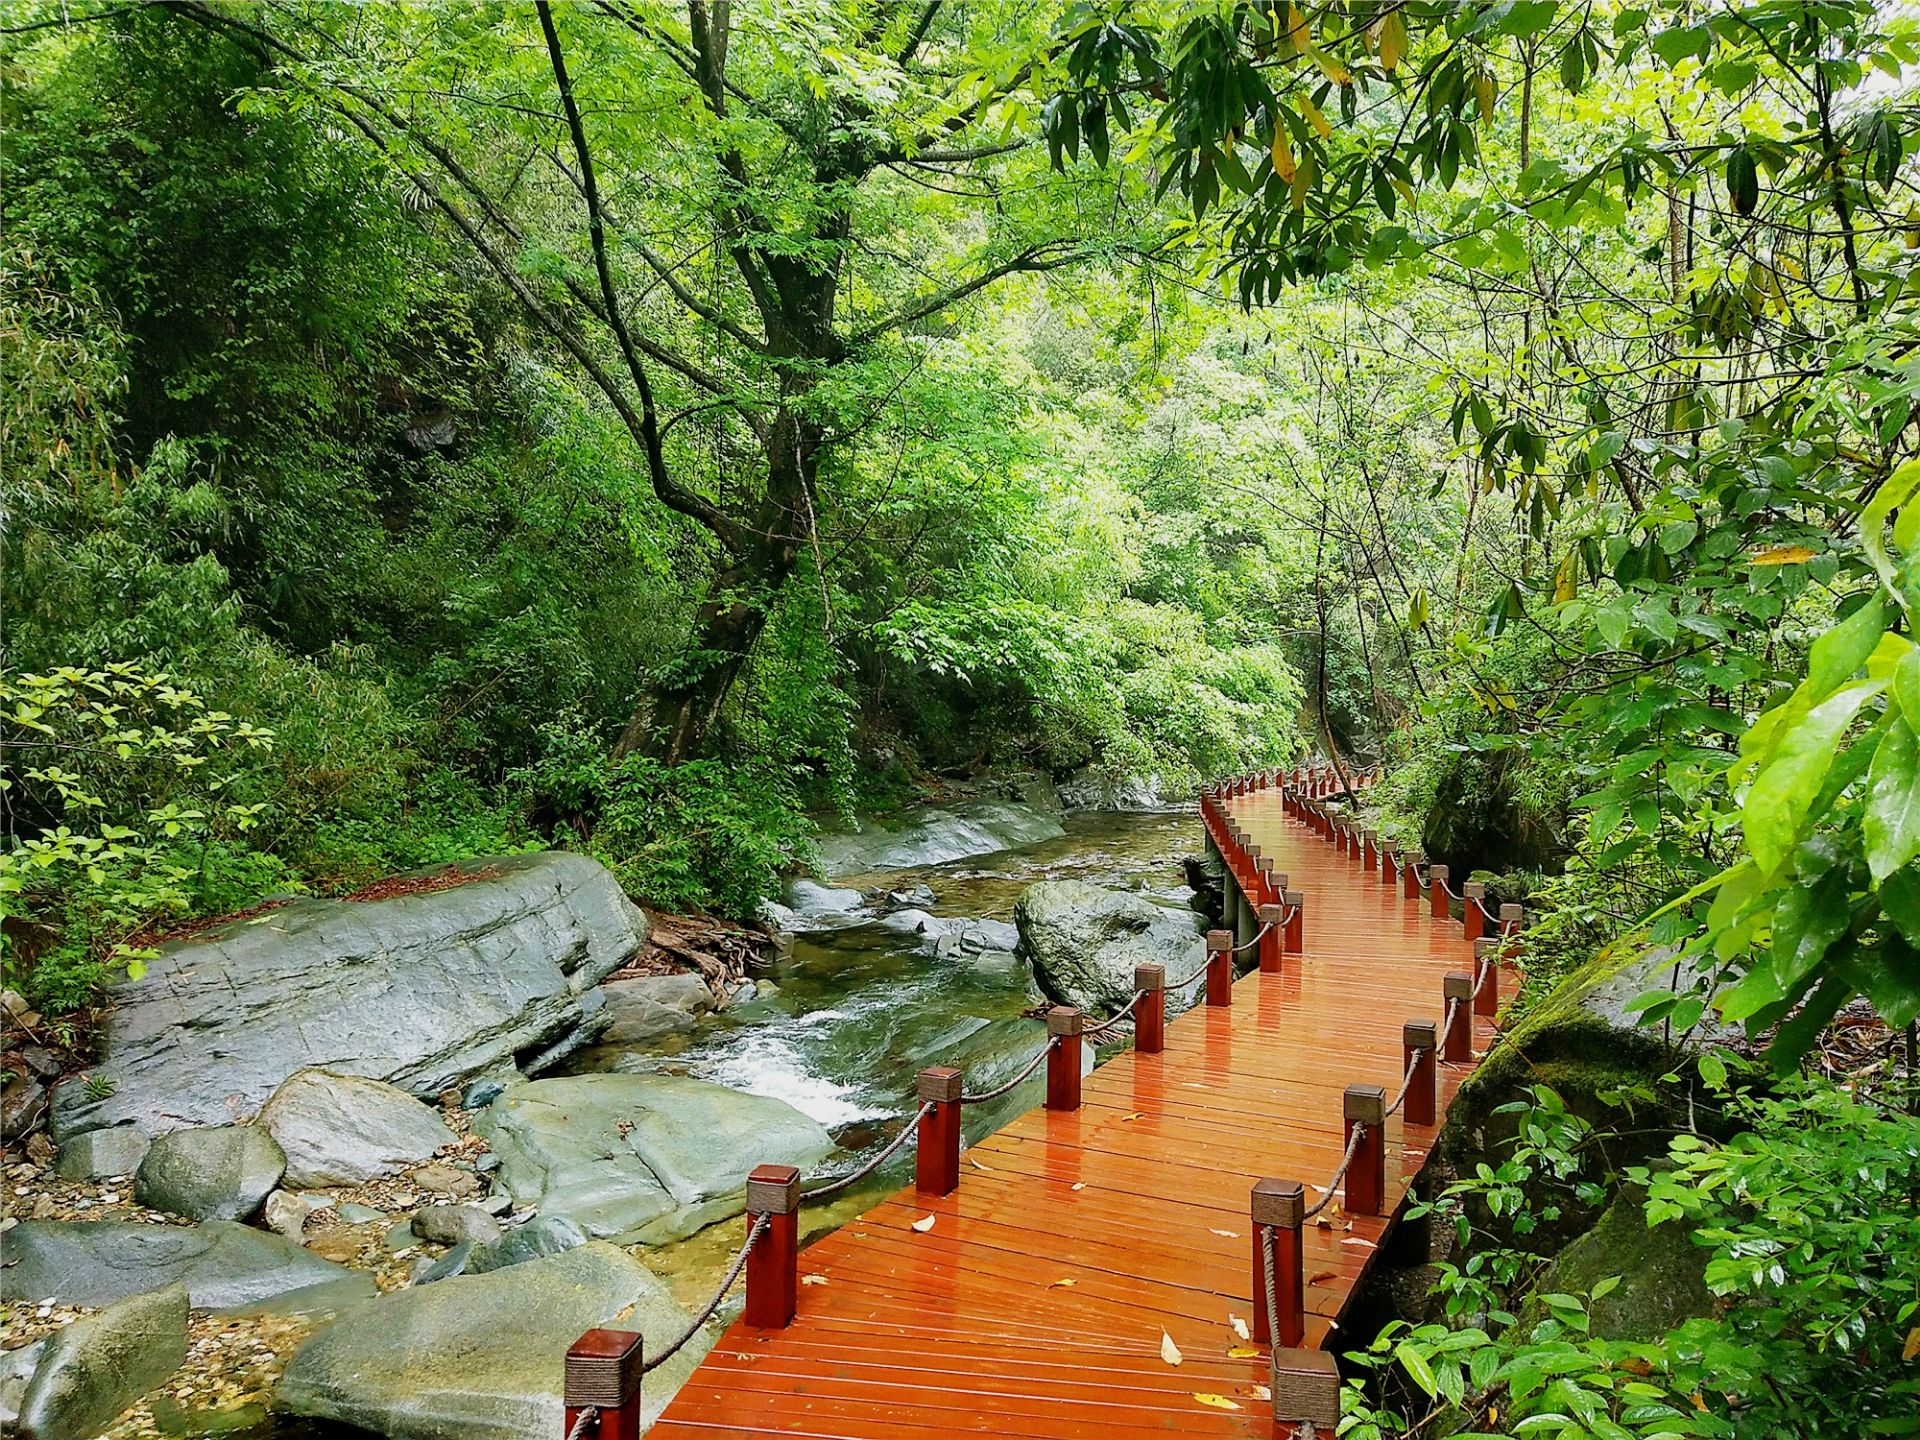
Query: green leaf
[[1415, 1364], [1775, 810], [1891, 825]]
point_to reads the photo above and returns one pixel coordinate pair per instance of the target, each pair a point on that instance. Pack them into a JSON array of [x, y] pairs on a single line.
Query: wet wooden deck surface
[[1036, 1303]]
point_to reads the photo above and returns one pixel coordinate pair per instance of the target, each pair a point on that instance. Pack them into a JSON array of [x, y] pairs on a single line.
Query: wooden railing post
[[1306, 1391], [1367, 1175], [1150, 1015], [1279, 1210], [1513, 919], [1369, 849], [1269, 888], [1486, 975], [1471, 915], [1389, 862], [1273, 928], [1065, 1026], [1420, 1049], [1410, 874], [1437, 887], [1457, 1044], [603, 1374], [1295, 939], [936, 1165], [773, 1265], [1219, 968]]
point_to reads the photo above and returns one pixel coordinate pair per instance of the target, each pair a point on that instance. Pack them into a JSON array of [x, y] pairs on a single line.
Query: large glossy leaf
[[1776, 808], [1891, 825]]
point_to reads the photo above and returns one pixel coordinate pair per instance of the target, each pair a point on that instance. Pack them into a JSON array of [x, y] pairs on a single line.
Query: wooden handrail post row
[[1420, 1053], [602, 1374], [1437, 891], [1294, 941], [1456, 994], [1150, 1015], [1367, 1174], [936, 1164], [1065, 1027], [1279, 1210], [1472, 917], [1273, 926], [773, 1265], [1219, 968], [1410, 862]]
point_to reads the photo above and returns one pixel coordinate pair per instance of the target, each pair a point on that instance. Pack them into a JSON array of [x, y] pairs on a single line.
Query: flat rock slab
[[224, 1266], [425, 991], [930, 836], [94, 1369], [346, 1129], [481, 1357], [646, 1158]]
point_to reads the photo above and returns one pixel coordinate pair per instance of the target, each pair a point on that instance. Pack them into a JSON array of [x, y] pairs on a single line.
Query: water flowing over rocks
[[215, 1172], [223, 1265], [1084, 942], [425, 991], [86, 1374], [479, 1357], [345, 1129], [644, 1157], [928, 836]]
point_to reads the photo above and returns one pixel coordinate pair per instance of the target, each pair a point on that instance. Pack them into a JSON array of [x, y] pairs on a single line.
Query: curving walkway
[[1037, 1303]]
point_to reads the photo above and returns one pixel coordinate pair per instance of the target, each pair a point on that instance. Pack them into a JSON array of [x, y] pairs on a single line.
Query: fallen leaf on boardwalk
[[925, 1224], [1225, 1234], [1079, 1185], [1244, 1352], [1261, 1392], [813, 1279], [978, 1166], [1239, 1327], [1136, 1115], [1320, 1277], [1067, 1281], [1169, 1351], [1358, 1242], [1218, 1402]]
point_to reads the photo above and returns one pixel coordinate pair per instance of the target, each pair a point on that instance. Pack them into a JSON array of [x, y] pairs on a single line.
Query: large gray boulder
[[929, 836], [652, 1007], [424, 991], [215, 1172], [346, 1129], [641, 1158], [90, 1372], [1084, 942], [103, 1154], [480, 1357], [223, 1266]]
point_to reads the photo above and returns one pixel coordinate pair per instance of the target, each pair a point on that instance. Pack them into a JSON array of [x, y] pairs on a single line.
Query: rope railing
[[1358, 1134], [584, 1421], [1008, 1088], [1406, 1081], [1114, 1020], [912, 1128], [1259, 935], [754, 1232]]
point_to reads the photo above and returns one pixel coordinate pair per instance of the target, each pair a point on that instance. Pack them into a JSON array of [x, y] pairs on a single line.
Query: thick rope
[[1114, 1019], [587, 1417], [739, 1263], [1446, 1025], [1353, 1148], [996, 1093], [1182, 984], [911, 1129], [1480, 980], [1273, 1304], [1258, 936], [1481, 901], [1406, 1082]]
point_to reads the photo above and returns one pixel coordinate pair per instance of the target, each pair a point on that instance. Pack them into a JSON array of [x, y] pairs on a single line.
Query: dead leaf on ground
[[1239, 1327], [1224, 1234], [1169, 1351], [978, 1166], [1261, 1392], [1066, 1280], [1218, 1402], [925, 1223], [813, 1279], [1244, 1352], [1079, 1185]]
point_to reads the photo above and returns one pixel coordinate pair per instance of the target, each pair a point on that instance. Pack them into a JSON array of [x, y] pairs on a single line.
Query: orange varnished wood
[[1034, 1306]]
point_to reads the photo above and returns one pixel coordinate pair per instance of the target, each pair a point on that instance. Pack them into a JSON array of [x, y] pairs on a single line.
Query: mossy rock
[[1662, 1274]]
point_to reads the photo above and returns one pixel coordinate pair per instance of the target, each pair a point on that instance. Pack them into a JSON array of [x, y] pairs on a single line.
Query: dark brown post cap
[[603, 1369], [1512, 914], [1365, 1103], [1437, 871], [1458, 985], [1420, 1034], [940, 1083], [1484, 947], [1065, 1020], [1279, 1202], [1306, 1388], [1294, 897], [1272, 914], [773, 1190], [1474, 889], [1219, 940], [1150, 977]]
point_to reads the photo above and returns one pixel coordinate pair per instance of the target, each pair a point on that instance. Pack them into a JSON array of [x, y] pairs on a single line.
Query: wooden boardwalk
[[1037, 1302]]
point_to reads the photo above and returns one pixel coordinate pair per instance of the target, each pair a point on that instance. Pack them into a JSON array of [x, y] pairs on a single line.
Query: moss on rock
[[1662, 1274]]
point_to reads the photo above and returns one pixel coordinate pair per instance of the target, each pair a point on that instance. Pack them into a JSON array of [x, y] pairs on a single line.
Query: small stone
[[487, 1163], [455, 1224], [339, 1246], [440, 1178], [537, 1239], [14, 1002], [286, 1213], [41, 1061], [454, 1262], [40, 1150], [497, 1205], [341, 1129], [351, 1214], [23, 1105], [480, 1093]]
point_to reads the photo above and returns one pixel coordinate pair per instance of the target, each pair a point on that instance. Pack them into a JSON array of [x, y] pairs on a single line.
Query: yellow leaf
[[1283, 165], [1135, 1115], [1218, 1402], [1297, 30], [1782, 555], [978, 1166], [1483, 88], [1243, 1352], [1403, 189], [1301, 183], [1315, 116], [1064, 1281], [1169, 1351], [1566, 577], [925, 1223], [1912, 1347], [1332, 68], [1393, 41]]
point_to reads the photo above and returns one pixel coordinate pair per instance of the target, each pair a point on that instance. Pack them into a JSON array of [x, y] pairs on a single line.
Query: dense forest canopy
[[432, 431]]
